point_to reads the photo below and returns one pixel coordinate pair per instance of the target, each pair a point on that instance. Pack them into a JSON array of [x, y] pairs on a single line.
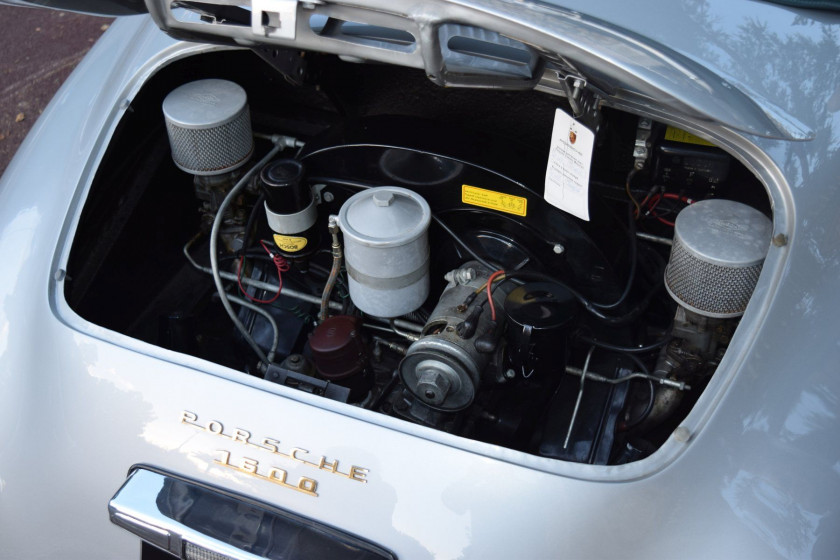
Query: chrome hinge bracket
[[583, 101], [575, 87], [641, 147], [274, 18]]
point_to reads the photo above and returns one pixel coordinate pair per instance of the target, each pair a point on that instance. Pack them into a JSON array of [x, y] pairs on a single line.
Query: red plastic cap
[[337, 347]]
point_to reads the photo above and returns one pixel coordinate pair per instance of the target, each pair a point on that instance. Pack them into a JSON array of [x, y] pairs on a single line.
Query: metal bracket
[[641, 150], [274, 18], [288, 62], [574, 86], [583, 101], [307, 383]]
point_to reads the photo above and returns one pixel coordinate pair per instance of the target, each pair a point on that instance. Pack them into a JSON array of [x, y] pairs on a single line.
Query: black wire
[[539, 276], [651, 399], [646, 412], [460, 242], [341, 182], [246, 238], [625, 349], [252, 219], [637, 361], [386, 391], [634, 313], [253, 254], [631, 276]]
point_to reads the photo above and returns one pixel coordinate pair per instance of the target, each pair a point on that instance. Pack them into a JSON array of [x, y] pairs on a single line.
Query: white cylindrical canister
[[386, 250]]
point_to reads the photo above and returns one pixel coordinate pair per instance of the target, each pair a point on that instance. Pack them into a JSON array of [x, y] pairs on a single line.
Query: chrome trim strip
[[171, 513], [135, 507]]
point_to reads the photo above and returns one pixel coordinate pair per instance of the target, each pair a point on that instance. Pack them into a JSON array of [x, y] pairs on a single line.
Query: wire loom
[[280, 263]]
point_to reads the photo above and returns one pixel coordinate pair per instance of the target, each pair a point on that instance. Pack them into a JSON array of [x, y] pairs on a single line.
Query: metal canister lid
[[724, 232], [204, 103], [385, 217]]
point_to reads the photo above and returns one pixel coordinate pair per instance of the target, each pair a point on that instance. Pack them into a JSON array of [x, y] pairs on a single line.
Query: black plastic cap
[[282, 183]]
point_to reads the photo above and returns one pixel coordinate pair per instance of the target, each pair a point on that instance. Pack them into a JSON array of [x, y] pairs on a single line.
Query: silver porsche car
[[380, 279]]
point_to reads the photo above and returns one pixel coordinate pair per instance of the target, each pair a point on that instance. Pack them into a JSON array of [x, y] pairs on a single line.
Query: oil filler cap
[[383, 198]]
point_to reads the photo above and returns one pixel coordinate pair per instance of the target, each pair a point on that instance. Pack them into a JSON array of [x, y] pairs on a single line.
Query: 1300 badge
[[271, 473]]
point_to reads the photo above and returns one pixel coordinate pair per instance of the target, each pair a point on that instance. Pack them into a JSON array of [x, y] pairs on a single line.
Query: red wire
[[654, 201], [279, 262], [490, 293]]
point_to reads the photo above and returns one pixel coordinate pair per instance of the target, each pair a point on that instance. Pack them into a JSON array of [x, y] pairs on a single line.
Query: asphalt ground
[[38, 50]]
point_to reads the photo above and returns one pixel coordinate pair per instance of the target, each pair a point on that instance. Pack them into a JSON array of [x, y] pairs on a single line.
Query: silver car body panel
[[80, 405]]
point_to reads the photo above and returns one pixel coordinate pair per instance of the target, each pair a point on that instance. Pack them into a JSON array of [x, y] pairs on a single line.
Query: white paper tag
[[567, 174]]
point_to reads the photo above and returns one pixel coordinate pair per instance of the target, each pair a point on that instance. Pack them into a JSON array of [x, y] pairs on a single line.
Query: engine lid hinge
[[583, 101], [274, 18]]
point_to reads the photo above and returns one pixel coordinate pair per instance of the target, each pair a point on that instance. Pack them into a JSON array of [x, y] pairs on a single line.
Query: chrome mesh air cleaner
[[209, 126], [719, 249]]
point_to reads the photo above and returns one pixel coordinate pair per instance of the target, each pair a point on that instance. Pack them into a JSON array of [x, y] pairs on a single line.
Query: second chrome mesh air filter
[[719, 249], [209, 126]]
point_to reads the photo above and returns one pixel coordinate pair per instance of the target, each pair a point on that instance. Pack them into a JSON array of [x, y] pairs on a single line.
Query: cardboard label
[[290, 244], [493, 200], [569, 160], [677, 135]]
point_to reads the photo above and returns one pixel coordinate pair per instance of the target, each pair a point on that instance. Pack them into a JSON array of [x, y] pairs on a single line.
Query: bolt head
[[432, 386], [682, 434], [383, 198]]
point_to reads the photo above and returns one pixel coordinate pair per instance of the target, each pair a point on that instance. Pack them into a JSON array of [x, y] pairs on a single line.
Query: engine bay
[[364, 235]]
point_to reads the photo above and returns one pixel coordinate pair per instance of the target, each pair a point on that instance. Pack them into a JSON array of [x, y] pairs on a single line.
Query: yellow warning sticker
[[290, 244], [678, 135], [494, 200]]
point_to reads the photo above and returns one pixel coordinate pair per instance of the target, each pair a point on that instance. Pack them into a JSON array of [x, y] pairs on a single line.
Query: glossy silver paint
[[754, 473]]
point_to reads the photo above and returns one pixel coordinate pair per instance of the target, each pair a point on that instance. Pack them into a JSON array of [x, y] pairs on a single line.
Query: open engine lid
[[501, 44], [95, 7]]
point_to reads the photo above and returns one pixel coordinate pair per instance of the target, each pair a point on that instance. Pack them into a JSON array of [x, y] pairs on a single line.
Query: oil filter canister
[[386, 250], [290, 207]]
